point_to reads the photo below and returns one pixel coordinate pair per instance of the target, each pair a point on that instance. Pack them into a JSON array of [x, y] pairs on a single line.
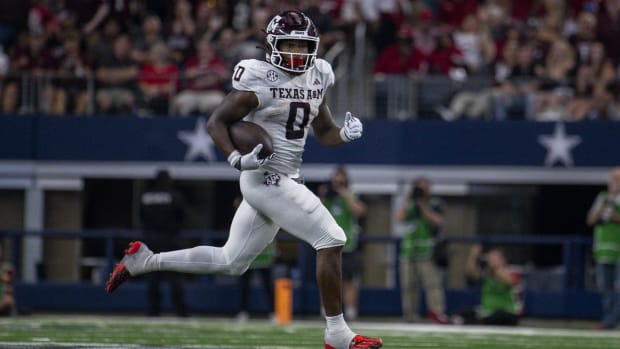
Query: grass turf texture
[[138, 332]]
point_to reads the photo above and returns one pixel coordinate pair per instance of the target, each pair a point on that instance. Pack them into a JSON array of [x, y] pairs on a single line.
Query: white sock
[[338, 334], [336, 323], [151, 263]]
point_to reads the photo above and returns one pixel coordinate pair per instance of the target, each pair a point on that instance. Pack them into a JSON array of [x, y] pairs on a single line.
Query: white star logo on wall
[[198, 141], [559, 146]]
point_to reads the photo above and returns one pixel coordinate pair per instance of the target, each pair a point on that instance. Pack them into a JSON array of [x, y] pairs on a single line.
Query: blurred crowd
[[545, 59]]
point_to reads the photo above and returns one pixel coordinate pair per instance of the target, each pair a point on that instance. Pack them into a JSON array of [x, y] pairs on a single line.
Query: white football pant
[[270, 202]]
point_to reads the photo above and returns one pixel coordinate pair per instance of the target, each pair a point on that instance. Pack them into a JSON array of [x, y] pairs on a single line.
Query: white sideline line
[[469, 329]]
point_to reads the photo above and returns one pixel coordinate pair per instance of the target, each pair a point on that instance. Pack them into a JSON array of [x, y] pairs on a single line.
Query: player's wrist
[[343, 135], [234, 159]]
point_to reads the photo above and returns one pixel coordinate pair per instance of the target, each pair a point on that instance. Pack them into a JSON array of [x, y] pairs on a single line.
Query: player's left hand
[[249, 161], [352, 128]]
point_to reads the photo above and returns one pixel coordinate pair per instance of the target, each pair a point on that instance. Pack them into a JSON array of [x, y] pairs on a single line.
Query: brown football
[[245, 135]]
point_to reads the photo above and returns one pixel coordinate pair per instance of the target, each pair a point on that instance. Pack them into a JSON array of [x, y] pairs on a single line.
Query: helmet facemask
[[295, 62]]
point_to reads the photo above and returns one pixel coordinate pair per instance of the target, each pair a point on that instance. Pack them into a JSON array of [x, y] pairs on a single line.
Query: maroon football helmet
[[291, 25]]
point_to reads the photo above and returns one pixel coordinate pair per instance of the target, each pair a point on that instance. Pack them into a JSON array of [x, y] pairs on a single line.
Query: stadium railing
[[382, 96]]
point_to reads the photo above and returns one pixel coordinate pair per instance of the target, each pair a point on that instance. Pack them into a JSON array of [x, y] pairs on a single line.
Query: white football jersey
[[287, 105]]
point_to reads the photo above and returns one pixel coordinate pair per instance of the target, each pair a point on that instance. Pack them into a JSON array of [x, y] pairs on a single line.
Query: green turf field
[[138, 332]]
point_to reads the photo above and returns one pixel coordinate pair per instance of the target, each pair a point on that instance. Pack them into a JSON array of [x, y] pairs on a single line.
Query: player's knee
[[237, 270], [238, 267], [331, 238]]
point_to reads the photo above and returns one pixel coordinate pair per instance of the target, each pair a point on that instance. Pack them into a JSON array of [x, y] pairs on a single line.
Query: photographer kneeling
[[498, 300]]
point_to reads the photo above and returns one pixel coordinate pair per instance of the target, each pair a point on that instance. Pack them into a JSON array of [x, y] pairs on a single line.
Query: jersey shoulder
[[251, 73], [324, 68]]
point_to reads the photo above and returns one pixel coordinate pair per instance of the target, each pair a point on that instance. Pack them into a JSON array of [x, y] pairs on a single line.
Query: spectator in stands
[[41, 19], [514, 97], [595, 77], [149, 36], [426, 32], [556, 77], [585, 36], [227, 48], [180, 31], [100, 48], [322, 19], [205, 75], [399, 59], [453, 12], [474, 99], [38, 61], [604, 216], [7, 298], [499, 298], [251, 39], [494, 16], [445, 57], [73, 72], [421, 213], [347, 209], [162, 210], [116, 76], [89, 13], [607, 29], [157, 81], [476, 44], [550, 30], [381, 20], [209, 22], [355, 19], [508, 59]]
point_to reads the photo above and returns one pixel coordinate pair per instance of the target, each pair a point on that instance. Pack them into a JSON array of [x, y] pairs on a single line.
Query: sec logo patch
[[272, 75]]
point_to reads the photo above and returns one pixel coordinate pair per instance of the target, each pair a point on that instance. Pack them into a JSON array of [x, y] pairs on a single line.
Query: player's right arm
[[236, 105]]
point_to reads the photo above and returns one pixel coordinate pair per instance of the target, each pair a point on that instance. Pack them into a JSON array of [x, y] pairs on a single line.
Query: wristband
[[343, 135], [234, 158]]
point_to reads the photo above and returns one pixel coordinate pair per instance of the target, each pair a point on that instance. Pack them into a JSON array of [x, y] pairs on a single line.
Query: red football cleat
[[361, 342], [134, 257], [117, 277]]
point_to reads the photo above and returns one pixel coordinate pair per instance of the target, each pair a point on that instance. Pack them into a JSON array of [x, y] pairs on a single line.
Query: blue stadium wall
[[428, 143]]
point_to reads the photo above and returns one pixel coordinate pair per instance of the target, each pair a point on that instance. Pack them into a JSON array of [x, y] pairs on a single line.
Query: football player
[[285, 94]]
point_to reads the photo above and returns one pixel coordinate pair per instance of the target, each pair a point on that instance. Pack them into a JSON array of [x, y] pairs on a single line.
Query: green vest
[[496, 295], [418, 240], [345, 219], [607, 237], [266, 258]]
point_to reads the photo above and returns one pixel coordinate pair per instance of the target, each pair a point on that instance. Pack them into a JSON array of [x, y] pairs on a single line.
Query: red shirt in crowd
[[393, 61], [215, 67], [441, 60], [161, 77]]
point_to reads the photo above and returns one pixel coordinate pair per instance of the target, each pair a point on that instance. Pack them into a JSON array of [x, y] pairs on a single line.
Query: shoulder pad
[[325, 68]]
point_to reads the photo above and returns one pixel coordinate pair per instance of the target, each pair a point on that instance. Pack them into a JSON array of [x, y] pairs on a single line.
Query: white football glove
[[352, 128], [249, 161]]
